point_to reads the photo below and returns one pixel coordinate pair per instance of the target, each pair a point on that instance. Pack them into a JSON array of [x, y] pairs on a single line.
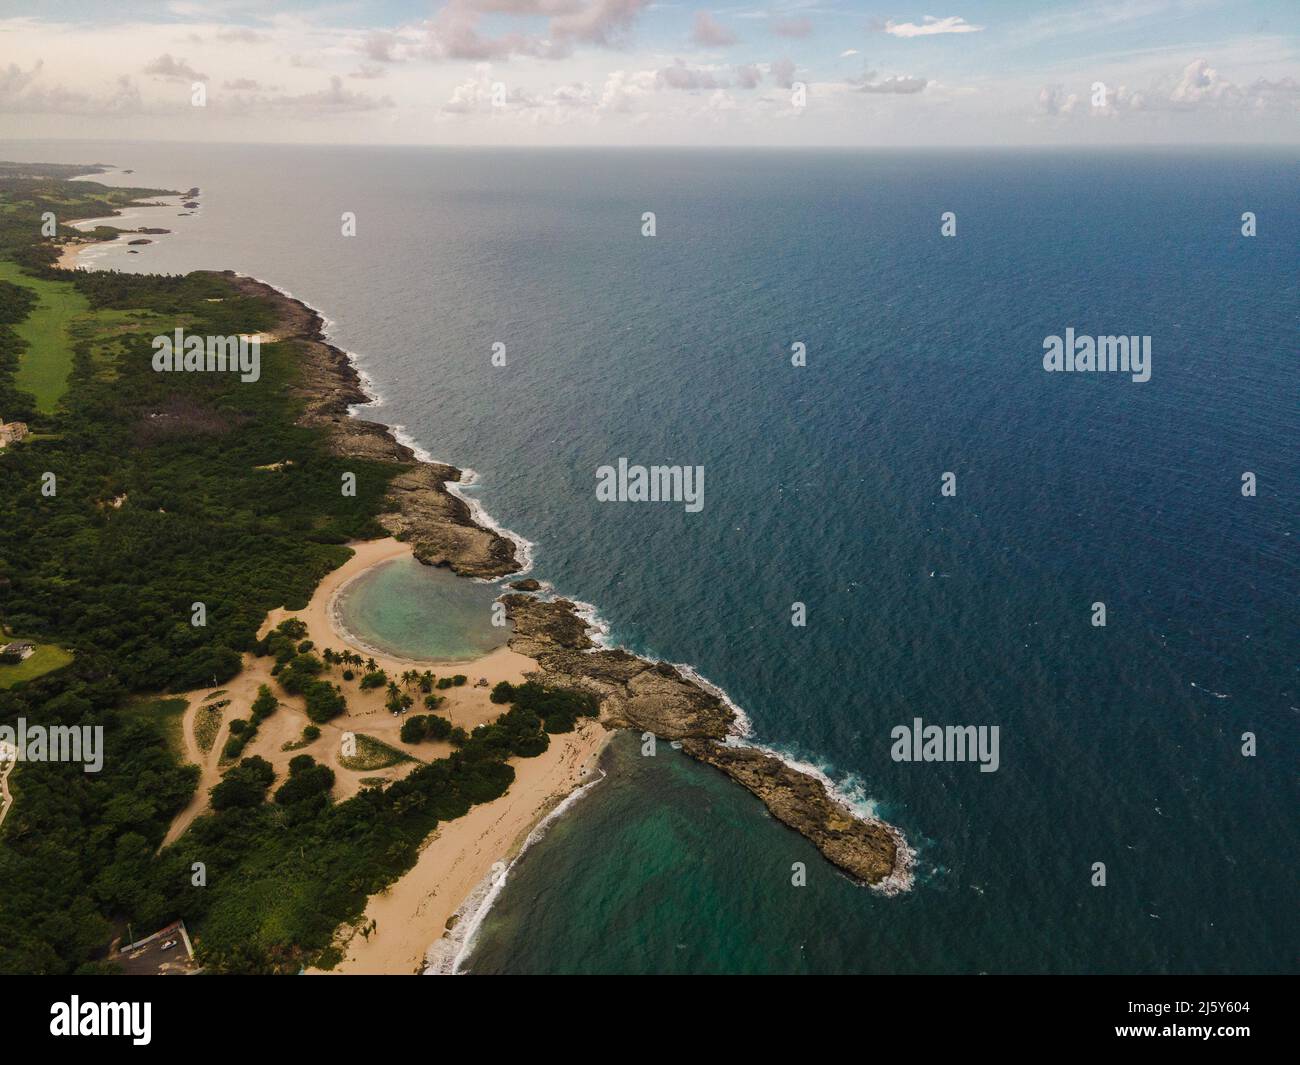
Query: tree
[[243, 786]]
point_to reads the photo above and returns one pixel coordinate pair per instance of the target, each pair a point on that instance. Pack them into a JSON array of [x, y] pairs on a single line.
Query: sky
[[638, 72]]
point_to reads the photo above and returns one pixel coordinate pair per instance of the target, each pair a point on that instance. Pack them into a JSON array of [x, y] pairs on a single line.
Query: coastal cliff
[[634, 692]]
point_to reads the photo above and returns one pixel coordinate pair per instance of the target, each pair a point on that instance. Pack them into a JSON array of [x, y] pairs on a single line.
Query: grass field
[[45, 658], [44, 366]]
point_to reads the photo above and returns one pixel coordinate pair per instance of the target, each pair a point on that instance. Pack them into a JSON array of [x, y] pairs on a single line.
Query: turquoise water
[[1118, 745], [410, 610]]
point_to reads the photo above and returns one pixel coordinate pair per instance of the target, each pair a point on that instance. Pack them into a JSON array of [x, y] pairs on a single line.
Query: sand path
[[405, 920], [8, 760]]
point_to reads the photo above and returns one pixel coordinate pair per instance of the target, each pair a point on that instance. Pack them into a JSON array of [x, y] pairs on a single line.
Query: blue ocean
[[1120, 744]]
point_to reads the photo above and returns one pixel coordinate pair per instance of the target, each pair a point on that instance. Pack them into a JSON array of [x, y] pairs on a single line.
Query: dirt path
[[8, 760], [466, 706]]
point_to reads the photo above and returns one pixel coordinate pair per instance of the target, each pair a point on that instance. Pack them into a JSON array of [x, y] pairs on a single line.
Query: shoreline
[[70, 252], [440, 526]]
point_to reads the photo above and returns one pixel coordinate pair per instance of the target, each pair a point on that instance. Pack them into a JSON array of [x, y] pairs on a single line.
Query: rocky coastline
[[634, 693]]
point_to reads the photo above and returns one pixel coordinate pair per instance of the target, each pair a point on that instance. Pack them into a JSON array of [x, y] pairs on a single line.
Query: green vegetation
[[241, 731], [376, 679], [308, 783], [243, 786], [207, 723], [558, 709], [168, 715], [372, 754], [309, 736], [46, 334], [421, 727], [174, 489], [44, 659]]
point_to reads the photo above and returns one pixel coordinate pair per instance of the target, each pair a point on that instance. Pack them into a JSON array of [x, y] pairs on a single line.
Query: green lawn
[[44, 366], [45, 658]]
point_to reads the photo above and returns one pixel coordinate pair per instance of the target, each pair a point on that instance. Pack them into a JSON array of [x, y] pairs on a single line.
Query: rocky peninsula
[[634, 692]]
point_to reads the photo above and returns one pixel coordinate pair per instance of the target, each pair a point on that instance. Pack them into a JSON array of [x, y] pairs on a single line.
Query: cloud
[[332, 101], [622, 91], [594, 21], [380, 47], [1197, 86], [1199, 81], [241, 35], [369, 71], [892, 85], [21, 92], [456, 30], [1053, 100], [690, 79], [783, 72], [708, 32], [748, 76], [242, 85], [173, 69], [792, 27], [930, 26], [848, 52]]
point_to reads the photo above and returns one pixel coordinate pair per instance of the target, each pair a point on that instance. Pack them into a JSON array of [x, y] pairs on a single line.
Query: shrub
[[414, 729], [265, 704], [245, 785], [324, 701]]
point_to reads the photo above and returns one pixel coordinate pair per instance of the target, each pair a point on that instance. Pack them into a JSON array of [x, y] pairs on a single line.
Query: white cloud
[[688, 78], [893, 85], [930, 26]]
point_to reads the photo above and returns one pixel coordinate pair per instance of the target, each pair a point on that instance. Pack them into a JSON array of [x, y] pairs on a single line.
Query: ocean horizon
[[946, 513]]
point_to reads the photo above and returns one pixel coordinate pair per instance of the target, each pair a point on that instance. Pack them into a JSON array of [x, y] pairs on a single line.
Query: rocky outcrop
[[437, 524], [634, 692], [867, 849], [655, 697]]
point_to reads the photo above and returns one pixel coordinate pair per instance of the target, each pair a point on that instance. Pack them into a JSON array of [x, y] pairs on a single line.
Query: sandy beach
[[68, 255], [405, 920], [402, 923]]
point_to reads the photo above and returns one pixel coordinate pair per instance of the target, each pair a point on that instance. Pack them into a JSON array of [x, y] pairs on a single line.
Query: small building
[[20, 648]]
